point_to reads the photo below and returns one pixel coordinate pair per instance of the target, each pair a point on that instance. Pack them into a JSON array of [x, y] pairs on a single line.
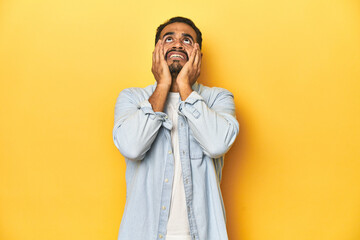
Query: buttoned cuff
[[146, 107], [189, 103]]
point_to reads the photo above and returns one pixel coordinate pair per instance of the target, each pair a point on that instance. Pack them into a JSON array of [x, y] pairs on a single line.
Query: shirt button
[[183, 152], [181, 124], [186, 181], [163, 207], [170, 152], [166, 180], [188, 209], [160, 236]]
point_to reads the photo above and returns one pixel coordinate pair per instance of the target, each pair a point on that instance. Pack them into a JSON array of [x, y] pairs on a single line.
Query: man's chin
[[176, 62], [175, 67]]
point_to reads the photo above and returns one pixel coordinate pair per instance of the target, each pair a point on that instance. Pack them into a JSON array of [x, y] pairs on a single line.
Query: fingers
[[197, 60], [162, 55], [194, 62], [197, 55], [156, 59], [157, 54], [153, 55], [192, 56], [154, 52], [200, 58]]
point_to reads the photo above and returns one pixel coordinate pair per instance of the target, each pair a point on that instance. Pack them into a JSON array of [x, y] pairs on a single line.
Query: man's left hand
[[191, 70]]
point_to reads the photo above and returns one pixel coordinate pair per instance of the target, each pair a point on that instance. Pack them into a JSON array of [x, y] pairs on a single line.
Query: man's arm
[[215, 128], [189, 73], [158, 98], [162, 75], [137, 123]]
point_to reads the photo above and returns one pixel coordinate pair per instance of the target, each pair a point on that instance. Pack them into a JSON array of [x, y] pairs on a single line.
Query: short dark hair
[[183, 20]]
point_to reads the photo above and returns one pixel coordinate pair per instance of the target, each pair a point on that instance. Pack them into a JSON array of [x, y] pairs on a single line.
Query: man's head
[[179, 36]]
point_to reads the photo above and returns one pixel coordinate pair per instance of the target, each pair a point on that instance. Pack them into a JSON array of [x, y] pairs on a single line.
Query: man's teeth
[[176, 55]]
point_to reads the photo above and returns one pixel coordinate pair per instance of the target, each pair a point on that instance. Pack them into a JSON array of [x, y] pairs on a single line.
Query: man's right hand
[[162, 75], [160, 69]]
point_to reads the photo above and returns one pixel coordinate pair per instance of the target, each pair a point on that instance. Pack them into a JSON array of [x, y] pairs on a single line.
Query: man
[[174, 135]]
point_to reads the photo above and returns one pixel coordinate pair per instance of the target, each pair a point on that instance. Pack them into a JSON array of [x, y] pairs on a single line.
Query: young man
[[174, 135]]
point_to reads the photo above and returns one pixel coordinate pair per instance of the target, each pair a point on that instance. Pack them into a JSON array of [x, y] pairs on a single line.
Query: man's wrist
[[185, 90], [163, 86], [184, 83]]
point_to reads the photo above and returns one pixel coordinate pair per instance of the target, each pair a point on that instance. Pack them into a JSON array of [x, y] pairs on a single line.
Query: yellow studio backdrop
[[293, 66]]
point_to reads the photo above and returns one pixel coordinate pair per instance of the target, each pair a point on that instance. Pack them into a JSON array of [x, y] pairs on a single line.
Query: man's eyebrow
[[188, 35], [184, 34], [168, 33]]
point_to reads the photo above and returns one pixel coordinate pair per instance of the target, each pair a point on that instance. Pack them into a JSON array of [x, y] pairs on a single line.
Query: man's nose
[[178, 44]]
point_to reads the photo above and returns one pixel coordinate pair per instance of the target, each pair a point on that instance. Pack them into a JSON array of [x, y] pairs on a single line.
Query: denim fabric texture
[[207, 128]]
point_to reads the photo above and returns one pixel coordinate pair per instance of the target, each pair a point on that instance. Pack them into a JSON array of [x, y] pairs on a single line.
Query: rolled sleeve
[[213, 126], [146, 107], [136, 124], [188, 105]]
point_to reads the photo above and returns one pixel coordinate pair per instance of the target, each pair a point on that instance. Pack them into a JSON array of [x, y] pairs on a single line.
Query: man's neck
[[174, 87]]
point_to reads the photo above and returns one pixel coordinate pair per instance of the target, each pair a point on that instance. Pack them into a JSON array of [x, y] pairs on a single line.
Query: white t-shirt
[[178, 224]]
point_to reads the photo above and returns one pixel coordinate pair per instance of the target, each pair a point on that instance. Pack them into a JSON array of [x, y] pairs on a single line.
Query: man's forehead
[[178, 27]]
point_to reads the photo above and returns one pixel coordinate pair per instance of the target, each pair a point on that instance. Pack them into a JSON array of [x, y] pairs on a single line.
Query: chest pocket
[[196, 151]]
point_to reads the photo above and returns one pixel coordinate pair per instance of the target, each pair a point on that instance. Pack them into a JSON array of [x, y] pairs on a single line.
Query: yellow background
[[293, 66]]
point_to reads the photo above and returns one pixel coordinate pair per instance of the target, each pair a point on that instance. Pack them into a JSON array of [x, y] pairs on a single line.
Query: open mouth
[[176, 55]]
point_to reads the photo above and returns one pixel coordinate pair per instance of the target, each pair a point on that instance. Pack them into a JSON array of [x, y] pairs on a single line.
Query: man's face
[[178, 41]]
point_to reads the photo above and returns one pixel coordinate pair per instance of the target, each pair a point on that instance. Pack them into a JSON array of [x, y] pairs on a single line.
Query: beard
[[175, 68]]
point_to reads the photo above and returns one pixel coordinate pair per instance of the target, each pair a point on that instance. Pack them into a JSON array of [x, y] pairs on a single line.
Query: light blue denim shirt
[[207, 128]]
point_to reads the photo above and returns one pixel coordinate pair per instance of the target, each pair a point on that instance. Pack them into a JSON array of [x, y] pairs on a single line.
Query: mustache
[[176, 50]]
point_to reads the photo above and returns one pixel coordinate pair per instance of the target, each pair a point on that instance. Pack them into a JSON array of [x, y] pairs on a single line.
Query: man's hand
[[162, 75], [191, 70], [189, 73], [160, 69]]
